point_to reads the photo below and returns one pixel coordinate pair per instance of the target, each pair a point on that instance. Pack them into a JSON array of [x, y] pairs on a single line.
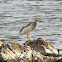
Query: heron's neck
[[37, 22]]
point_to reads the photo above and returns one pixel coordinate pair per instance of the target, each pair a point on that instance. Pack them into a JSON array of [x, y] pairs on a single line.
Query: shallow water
[[14, 14]]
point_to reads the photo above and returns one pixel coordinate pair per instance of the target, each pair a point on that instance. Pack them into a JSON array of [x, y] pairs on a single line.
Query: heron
[[29, 28]]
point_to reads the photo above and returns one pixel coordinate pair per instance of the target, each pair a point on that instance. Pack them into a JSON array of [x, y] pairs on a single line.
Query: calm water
[[14, 14]]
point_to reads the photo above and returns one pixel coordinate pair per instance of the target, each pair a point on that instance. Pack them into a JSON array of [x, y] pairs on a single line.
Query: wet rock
[[33, 51]]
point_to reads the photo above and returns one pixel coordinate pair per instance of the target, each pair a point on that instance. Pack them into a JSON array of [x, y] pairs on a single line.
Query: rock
[[33, 51], [60, 52], [1, 43], [42, 46], [60, 60], [15, 52]]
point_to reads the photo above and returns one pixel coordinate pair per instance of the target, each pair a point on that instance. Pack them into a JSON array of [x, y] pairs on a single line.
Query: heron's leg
[[28, 37]]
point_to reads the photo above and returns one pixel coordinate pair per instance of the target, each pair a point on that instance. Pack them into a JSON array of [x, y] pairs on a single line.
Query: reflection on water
[[14, 14]]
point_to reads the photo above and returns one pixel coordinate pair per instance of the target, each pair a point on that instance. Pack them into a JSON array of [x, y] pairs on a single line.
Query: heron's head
[[37, 20]]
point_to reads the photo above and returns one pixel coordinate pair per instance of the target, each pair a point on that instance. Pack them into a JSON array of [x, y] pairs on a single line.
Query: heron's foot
[[29, 39]]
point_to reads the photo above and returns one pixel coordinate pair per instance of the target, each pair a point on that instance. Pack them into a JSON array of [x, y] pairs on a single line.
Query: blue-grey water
[[14, 14]]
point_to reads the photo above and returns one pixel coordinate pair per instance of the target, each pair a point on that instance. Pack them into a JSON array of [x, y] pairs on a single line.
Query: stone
[[1, 42], [42, 46], [32, 51]]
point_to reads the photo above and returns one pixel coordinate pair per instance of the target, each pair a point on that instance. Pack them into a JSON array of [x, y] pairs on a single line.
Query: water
[[14, 14]]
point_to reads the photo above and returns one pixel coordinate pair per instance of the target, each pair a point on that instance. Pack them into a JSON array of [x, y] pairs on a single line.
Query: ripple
[[16, 14]]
